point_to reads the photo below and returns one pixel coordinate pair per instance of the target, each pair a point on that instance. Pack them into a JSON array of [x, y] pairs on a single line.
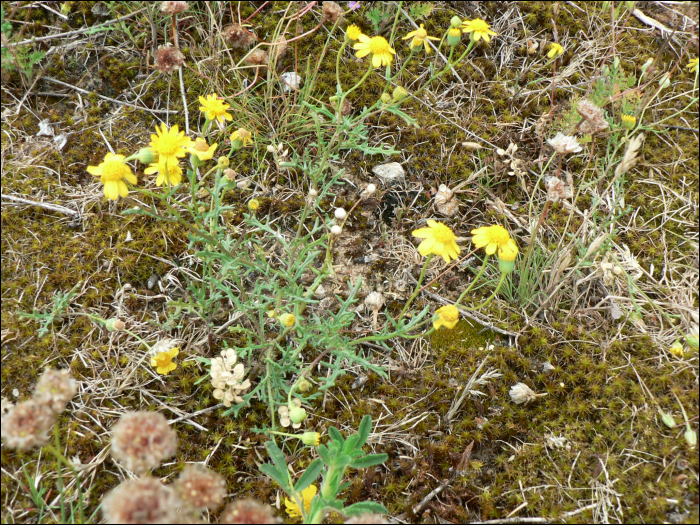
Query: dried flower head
[[520, 393], [257, 57], [248, 511], [332, 12], [142, 500], [557, 189], [200, 488], [367, 518], [630, 157], [227, 378], [168, 59], [173, 8], [564, 144], [238, 36], [26, 424], [279, 47], [594, 118], [445, 203], [55, 388], [141, 440]]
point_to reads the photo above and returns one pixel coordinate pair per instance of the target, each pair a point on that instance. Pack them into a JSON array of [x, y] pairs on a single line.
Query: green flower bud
[[385, 98], [505, 266], [454, 36], [691, 437], [399, 94], [692, 340], [310, 438], [287, 320], [223, 162], [114, 325], [455, 22], [146, 156], [297, 414], [667, 419]]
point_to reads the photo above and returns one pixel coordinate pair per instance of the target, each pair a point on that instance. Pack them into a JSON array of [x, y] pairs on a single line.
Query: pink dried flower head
[[168, 59], [368, 518], [237, 36], [26, 424], [594, 118], [564, 144], [200, 488], [332, 12], [55, 388], [143, 500], [248, 511], [141, 440], [173, 8], [557, 189], [257, 57]]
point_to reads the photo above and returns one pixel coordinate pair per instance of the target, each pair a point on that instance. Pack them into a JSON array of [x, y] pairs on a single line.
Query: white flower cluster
[[227, 378], [285, 420]]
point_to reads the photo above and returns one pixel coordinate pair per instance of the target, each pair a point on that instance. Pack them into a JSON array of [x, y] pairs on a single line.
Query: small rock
[[290, 80], [391, 174]]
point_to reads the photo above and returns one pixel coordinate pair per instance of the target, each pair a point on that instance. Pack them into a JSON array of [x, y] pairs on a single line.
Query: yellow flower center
[[112, 170], [454, 31], [499, 236], [478, 26], [442, 233], [421, 33], [169, 145], [201, 145], [378, 45]]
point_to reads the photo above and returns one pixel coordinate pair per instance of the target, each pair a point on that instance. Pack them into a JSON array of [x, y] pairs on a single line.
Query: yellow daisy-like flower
[[677, 349], [214, 108], [353, 32], [168, 172], [201, 149], [378, 47], [420, 36], [447, 316], [169, 144], [112, 172], [479, 29], [242, 135], [494, 238], [555, 50], [306, 496], [439, 240], [693, 65], [163, 362], [628, 121]]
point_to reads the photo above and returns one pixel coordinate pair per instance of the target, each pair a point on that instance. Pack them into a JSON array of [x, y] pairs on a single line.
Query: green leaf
[[281, 478], [351, 444], [309, 475], [324, 453], [368, 461], [363, 431], [276, 456], [420, 10], [363, 507], [342, 460], [336, 436]]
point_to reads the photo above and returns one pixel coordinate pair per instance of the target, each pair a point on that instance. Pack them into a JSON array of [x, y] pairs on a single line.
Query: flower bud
[[690, 437], [667, 419], [340, 214], [230, 174], [114, 325], [336, 230], [253, 204], [399, 94], [385, 98], [271, 149], [692, 340], [146, 156], [646, 65], [665, 81], [313, 193], [287, 320], [304, 386], [222, 162], [243, 184], [454, 35], [310, 438], [677, 349], [455, 22], [297, 414]]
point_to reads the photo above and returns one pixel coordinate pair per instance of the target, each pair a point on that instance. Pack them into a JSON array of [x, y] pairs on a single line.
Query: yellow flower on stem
[[693, 65], [163, 361], [439, 240], [506, 256], [420, 36], [447, 316], [677, 349], [200, 149], [112, 172], [478, 29], [306, 496], [555, 50], [168, 172], [240, 138], [169, 144], [493, 238], [378, 47], [310, 438], [353, 32], [628, 121], [214, 108]]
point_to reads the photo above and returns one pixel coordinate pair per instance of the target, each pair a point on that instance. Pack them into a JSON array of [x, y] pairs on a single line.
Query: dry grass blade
[[630, 158]]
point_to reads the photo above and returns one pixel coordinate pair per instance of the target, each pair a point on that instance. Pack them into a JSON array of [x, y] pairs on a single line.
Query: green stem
[[471, 285], [415, 292], [487, 301]]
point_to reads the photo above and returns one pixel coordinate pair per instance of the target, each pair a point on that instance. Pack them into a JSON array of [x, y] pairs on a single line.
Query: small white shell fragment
[[472, 145], [391, 174], [445, 203], [128, 237], [290, 80]]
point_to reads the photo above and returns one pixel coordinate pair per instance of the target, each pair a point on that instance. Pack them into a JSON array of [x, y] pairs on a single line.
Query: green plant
[[16, 57]]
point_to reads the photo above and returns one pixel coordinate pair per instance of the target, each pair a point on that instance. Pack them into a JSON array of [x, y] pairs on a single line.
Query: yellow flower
[[420, 36], [555, 50], [439, 240], [628, 121], [169, 144], [163, 362], [200, 149], [677, 349], [168, 172], [287, 320], [253, 204], [494, 238], [506, 256], [310, 438], [479, 29], [112, 172], [378, 47], [306, 496], [214, 108], [447, 316], [353, 32], [693, 65], [243, 136]]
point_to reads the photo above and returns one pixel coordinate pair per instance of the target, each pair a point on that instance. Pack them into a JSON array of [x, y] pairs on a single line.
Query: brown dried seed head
[[26, 424], [280, 47], [248, 511], [557, 189], [237, 36], [200, 488], [143, 500], [141, 440], [173, 8], [332, 11], [168, 59], [594, 118], [257, 57]]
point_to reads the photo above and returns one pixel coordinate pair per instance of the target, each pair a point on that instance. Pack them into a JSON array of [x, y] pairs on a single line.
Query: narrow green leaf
[[363, 507], [309, 475], [363, 431], [368, 461], [336, 436], [276, 456], [281, 478], [324, 453]]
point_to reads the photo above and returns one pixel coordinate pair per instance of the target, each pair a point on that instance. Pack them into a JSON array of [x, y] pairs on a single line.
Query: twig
[[52, 207], [86, 92], [430, 496], [195, 414]]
